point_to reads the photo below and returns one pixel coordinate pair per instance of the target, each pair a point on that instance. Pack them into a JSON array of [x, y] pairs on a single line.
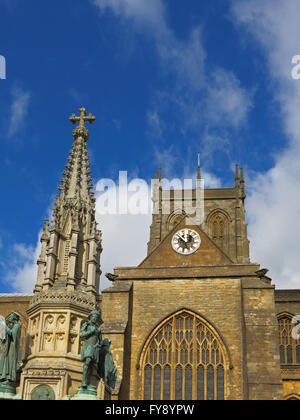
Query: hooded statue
[[10, 350]]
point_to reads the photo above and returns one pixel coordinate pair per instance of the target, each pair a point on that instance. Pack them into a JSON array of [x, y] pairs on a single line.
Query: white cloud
[[273, 209], [274, 201], [172, 163], [125, 236], [125, 239], [19, 109], [227, 103], [155, 123], [195, 87], [210, 180], [149, 13], [167, 159], [22, 270], [185, 59]]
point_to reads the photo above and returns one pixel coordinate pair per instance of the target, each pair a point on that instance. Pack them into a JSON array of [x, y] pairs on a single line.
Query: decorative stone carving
[[43, 392], [62, 296], [49, 322]]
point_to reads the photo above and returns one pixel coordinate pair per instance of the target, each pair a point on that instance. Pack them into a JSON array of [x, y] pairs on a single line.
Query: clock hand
[[181, 238]]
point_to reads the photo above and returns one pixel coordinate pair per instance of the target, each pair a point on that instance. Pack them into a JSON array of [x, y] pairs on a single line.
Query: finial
[[45, 233], [243, 184], [80, 130], [237, 177], [199, 169], [160, 174]]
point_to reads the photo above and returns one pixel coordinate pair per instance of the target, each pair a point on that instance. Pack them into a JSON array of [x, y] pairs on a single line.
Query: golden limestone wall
[[18, 303], [116, 306], [261, 341], [242, 311], [155, 300], [14, 302]]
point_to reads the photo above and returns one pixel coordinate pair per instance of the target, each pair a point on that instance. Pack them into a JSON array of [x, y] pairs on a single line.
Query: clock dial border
[[182, 234]]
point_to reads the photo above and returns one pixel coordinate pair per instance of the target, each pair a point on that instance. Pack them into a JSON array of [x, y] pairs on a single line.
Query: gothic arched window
[[292, 397], [218, 226], [174, 220], [289, 347], [184, 359]]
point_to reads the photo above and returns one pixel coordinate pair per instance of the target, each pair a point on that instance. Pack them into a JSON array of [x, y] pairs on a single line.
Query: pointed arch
[[292, 397], [218, 225], [282, 315], [218, 211], [289, 347], [184, 358], [175, 218]]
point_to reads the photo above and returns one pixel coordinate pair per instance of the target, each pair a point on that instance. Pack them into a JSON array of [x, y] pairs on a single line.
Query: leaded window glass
[[289, 349], [184, 360]]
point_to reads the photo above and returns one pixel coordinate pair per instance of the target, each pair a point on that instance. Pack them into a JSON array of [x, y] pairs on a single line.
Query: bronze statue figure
[[10, 351], [96, 353], [107, 369], [91, 333]]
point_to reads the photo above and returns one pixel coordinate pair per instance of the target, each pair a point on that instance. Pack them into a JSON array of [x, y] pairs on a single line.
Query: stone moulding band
[[63, 298]]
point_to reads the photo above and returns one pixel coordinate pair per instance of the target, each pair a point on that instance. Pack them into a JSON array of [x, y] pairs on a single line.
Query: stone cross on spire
[[83, 117], [80, 130]]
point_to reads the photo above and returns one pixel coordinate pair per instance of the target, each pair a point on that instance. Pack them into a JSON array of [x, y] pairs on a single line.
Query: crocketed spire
[[74, 244]]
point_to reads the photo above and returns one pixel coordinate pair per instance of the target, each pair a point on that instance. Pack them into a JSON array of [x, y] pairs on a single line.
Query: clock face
[[186, 241]]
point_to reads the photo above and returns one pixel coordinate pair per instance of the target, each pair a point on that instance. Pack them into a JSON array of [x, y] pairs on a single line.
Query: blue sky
[[166, 79]]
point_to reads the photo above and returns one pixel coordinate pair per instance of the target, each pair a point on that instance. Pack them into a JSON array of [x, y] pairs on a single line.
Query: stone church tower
[[67, 283], [196, 319]]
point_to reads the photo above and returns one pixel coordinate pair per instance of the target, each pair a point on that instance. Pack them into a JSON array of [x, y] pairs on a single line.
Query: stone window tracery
[[289, 348], [174, 220], [219, 230], [184, 360]]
